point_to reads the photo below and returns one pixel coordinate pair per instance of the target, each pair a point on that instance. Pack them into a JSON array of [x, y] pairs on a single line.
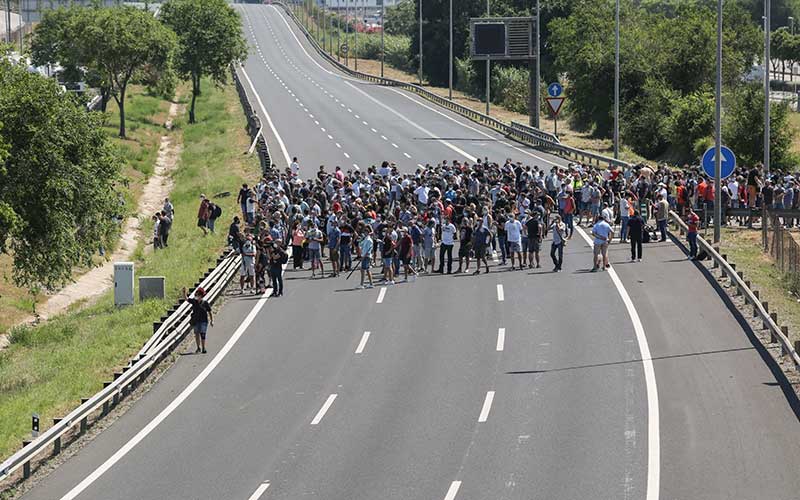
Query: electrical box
[[123, 283], [151, 287]]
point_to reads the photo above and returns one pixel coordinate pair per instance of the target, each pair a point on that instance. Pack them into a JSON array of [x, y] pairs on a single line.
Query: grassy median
[[48, 368]]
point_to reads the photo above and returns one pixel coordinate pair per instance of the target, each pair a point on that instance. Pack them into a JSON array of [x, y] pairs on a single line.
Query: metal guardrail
[[778, 333], [160, 344], [254, 123], [520, 133]]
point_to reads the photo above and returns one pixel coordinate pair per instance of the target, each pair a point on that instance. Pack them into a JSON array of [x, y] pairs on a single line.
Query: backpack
[[284, 258], [646, 234], [217, 212]]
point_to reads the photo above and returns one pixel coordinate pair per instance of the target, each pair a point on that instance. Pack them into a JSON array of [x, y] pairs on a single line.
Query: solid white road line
[[453, 490], [487, 407], [259, 491], [501, 339], [653, 425], [381, 295], [412, 123], [116, 457], [500, 294], [269, 120], [363, 343], [322, 411]]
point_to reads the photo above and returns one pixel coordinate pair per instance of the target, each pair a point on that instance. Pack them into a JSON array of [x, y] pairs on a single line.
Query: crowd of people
[[408, 223]]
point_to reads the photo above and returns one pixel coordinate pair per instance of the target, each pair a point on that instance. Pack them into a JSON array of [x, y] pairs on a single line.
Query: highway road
[[639, 383]]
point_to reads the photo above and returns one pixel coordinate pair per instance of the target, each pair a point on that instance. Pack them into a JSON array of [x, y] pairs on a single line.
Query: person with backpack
[[200, 318], [214, 213]]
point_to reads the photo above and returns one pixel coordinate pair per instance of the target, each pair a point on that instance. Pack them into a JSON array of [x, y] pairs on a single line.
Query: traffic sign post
[[555, 104], [555, 89], [727, 162]]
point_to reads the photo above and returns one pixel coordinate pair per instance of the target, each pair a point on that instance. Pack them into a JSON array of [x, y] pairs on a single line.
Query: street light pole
[[767, 28], [450, 60], [488, 71], [347, 33], [538, 83], [383, 28], [420, 42], [791, 24], [718, 130], [616, 82], [355, 27]]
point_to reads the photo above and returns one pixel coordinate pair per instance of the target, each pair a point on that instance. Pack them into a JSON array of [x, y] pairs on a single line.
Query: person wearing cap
[[602, 234], [200, 318]]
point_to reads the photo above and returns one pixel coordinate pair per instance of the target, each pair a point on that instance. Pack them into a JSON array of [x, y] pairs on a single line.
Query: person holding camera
[[277, 258]]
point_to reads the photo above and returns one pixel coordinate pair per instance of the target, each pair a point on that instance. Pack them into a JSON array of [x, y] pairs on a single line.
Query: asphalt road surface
[[638, 383]]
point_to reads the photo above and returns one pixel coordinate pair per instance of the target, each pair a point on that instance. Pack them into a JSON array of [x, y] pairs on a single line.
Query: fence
[[783, 247]]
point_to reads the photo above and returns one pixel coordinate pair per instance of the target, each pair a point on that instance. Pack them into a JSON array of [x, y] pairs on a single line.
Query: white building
[[341, 4]]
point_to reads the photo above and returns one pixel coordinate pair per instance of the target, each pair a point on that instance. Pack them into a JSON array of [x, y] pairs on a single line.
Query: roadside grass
[[48, 368], [743, 248], [146, 115]]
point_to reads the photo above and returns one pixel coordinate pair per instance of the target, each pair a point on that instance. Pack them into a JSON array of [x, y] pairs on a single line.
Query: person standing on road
[[662, 214], [480, 245], [428, 246], [200, 318], [559, 240], [334, 238], [514, 237], [448, 240], [692, 221], [277, 258], [298, 237], [602, 234], [364, 253], [314, 237], [248, 270], [636, 235], [533, 226]]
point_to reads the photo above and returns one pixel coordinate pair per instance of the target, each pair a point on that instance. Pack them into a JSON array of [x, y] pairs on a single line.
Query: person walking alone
[[200, 318], [692, 221]]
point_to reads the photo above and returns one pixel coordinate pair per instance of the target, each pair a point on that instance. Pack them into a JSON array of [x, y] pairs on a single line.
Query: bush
[[466, 77], [645, 124], [691, 119], [510, 88], [398, 52]]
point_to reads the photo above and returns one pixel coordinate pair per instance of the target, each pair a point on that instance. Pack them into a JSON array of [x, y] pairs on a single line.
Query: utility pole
[[8, 21], [718, 130], [420, 42], [767, 28], [488, 71], [450, 60], [534, 119], [616, 83], [355, 27], [347, 33], [383, 28]]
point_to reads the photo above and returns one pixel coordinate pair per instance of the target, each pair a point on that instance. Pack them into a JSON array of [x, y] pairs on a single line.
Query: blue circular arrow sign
[[727, 165], [554, 89]]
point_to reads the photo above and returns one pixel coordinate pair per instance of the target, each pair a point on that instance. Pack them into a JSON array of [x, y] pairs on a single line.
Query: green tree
[[57, 195], [743, 127], [646, 125], [401, 19], [210, 39], [691, 120]]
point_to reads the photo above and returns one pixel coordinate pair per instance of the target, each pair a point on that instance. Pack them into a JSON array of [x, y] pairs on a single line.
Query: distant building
[[341, 4], [32, 10]]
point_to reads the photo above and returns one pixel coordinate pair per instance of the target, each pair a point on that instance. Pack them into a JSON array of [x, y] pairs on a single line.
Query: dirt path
[[100, 279]]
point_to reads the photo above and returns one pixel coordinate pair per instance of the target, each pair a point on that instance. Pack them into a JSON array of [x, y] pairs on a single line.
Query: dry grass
[[743, 248]]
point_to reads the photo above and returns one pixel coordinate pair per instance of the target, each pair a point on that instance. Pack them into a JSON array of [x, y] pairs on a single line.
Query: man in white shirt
[[514, 238], [422, 196], [448, 240], [295, 167], [733, 187], [602, 234]]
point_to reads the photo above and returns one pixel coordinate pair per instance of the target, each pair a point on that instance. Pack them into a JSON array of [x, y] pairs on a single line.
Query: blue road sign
[[727, 164], [555, 89]]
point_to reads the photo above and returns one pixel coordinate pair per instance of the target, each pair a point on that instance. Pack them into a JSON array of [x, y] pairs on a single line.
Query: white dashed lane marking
[[500, 294], [363, 343], [501, 339], [322, 411], [487, 407]]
